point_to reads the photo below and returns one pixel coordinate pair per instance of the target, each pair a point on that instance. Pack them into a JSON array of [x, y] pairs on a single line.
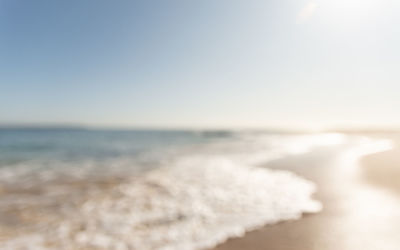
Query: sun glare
[[350, 12]]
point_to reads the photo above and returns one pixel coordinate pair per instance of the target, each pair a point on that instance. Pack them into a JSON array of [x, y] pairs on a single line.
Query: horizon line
[[77, 126]]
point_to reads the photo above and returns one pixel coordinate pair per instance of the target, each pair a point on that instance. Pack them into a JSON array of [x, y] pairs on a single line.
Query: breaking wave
[[199, 197]]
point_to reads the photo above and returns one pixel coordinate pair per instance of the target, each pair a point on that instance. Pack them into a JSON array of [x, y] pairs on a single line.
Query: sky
[[200, 64]]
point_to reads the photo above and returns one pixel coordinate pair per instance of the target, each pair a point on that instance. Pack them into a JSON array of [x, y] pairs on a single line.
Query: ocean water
[[144, 189]]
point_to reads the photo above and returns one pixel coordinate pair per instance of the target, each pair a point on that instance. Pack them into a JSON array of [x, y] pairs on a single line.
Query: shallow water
[[148, 189]]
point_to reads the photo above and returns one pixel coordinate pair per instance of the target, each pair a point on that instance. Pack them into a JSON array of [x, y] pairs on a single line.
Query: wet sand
[[383, 170], [361, 205]]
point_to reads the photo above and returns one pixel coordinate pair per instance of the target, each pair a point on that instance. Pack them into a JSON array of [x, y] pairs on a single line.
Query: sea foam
[[198, 198], [195, 204]]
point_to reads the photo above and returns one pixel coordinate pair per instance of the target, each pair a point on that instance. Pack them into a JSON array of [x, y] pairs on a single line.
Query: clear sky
[[205, 63]]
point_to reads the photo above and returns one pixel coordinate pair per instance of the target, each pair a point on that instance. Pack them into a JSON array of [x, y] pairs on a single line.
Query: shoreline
[[357, 204], [361, 206]]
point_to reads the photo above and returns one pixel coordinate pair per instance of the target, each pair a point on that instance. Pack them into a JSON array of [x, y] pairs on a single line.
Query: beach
[[143, 189], [199, 125], [190, 190], [361, 199]]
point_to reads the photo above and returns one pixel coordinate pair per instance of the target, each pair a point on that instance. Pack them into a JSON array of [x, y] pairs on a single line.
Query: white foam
[[197, 203], [202, 196]]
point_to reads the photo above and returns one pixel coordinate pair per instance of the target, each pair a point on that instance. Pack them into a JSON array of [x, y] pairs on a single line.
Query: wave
[[199, 197], [195, 204]]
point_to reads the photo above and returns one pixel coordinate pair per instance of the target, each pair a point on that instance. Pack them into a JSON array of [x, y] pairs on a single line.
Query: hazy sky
[[204, 63]]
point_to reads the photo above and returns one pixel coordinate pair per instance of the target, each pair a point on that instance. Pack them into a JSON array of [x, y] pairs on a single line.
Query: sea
[[74, 188]]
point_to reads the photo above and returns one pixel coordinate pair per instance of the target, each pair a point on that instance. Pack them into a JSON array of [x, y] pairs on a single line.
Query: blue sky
[[287, 63]]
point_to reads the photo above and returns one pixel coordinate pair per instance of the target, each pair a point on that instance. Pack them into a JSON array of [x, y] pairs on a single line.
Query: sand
[[361, 205]]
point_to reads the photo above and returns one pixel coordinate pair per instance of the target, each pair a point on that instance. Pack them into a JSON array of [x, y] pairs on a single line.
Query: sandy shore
[[361, 205]]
